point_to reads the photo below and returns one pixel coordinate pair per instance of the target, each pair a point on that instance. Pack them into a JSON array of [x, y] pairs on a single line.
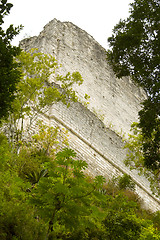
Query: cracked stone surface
[[115, 101]]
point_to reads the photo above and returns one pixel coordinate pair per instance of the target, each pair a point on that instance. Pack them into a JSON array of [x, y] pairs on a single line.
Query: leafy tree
[[62, 203], [64, 198], [149, 232], [17, 217], [41, 147], [125, 182], [36, 92], [135, 158], [9, 72], [49, 139], [135, 52], [121, 221]]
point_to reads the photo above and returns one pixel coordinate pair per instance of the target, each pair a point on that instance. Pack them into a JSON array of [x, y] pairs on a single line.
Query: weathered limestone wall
[[76, 50], [118, 100], [101, 147]]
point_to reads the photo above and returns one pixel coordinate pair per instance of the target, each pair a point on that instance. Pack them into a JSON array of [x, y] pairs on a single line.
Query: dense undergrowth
[[46, 195]]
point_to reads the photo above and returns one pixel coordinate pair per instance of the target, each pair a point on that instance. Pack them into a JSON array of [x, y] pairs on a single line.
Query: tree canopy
[[9, 73], [135, 52]]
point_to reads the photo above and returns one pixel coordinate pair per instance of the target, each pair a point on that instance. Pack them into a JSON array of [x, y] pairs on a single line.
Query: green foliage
[[9, 72], [47, 197], [64, 197], [17, 221], [135, 158], [45, 194], [150, 125], [17, 217], [135, 48], [121, 221], [35, 93], [49, 139], [149, 233], [135, 148], [156, 219], [134, 44], [41, 147], [125, 182]]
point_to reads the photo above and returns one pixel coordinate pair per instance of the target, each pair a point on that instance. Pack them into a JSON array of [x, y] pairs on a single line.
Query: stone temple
[[94, 132]]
